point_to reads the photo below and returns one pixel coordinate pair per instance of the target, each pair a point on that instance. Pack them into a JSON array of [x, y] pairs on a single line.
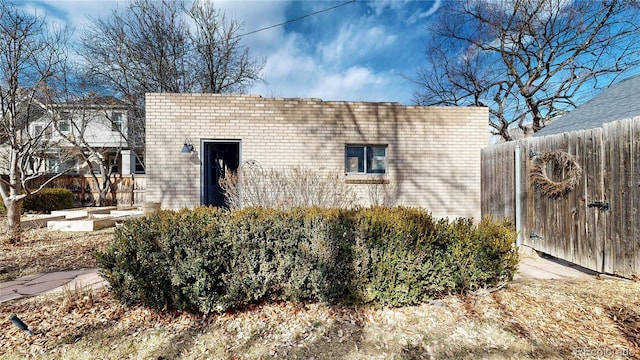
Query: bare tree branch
[[528, 61], [148, 47], [32, 68]]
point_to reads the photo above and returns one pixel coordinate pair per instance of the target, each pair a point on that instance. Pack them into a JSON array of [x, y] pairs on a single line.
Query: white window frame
[[52, 165], [367, 158], [42, 131], [66, 122], [117, 121]]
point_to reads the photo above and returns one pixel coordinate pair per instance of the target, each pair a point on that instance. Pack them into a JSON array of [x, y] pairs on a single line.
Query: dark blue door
[[219, 160]]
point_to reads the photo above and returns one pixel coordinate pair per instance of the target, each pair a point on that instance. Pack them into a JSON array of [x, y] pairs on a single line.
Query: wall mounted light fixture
[[187, 148]]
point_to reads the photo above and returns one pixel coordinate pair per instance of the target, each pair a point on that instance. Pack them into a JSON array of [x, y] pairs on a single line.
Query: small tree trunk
[[14, 210], [106, 184], [102, 197]]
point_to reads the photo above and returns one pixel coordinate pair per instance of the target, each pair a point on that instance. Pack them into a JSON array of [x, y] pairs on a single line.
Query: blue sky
[[357, 52]]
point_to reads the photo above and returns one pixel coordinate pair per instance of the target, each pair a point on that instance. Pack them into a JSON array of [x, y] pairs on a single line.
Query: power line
[[298, 19]]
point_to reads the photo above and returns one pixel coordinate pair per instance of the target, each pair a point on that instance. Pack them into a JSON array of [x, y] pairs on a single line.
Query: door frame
[[204, 160]]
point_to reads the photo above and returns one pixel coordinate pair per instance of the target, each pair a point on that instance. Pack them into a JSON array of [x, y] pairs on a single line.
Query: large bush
[[45, 201], [136, 261], [210, 260], [402, 256]]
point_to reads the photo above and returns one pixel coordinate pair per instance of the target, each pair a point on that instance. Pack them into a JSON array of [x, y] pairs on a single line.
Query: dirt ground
[[586, 318]]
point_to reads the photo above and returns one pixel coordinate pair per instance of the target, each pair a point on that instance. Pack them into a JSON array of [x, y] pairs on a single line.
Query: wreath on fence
[[564, 164]]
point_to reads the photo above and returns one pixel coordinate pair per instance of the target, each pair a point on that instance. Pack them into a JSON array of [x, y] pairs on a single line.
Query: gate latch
[[602, 205], [534, 235]]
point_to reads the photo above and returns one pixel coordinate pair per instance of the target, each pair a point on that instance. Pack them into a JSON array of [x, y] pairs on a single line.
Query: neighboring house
[[618, 101], [98, 126], [429, 156]]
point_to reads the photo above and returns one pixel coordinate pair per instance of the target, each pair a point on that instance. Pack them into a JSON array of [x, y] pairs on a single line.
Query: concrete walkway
[[531, 267], [56, 282], [534, 265]]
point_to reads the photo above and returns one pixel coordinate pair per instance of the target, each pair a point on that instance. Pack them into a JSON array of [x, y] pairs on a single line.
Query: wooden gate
[[596, 224], [569, 227]]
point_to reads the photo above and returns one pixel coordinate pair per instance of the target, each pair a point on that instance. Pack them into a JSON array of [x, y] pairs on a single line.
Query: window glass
[[116, 121], [139, 165], [376, 159], [41, 130], [114, 164], [354, 161], [364, 159], [53, 165], [64, 126]]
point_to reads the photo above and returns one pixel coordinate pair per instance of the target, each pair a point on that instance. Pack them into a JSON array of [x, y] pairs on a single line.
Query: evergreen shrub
[[211, 260], [45, 201], [136, 262], [48, 200]]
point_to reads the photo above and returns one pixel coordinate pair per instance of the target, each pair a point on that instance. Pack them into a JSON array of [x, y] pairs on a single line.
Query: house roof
[[617, 102], [108, 101], [28, 109]]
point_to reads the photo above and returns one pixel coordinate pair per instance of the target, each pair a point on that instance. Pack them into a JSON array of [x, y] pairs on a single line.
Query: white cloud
[[379, 6], [290, 72], [420, 15], [75, 14], [348, 66], [354, 83], [294, 70], [256, 15], [288, 60], [352, 42]]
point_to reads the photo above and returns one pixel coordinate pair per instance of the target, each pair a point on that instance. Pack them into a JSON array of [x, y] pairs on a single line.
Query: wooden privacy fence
[[125, 190], [596, 224]]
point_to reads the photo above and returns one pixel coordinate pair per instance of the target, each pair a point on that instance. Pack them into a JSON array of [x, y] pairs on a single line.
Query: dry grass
[[527, 319], [44, 251]]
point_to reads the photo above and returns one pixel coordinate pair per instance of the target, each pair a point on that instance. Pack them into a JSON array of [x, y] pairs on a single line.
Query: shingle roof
[[617, 102], [95, 100]]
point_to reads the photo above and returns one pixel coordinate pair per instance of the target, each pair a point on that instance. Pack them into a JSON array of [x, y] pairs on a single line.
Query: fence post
[[518, 193]]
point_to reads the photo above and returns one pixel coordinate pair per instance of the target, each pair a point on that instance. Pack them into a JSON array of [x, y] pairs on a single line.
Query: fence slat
[[635, 198]]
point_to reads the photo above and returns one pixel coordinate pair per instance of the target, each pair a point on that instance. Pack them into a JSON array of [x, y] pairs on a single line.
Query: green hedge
[[210, 260], [45, 201]]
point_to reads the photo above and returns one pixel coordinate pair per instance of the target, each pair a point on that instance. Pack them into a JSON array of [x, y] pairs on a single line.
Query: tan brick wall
[[433, 152]]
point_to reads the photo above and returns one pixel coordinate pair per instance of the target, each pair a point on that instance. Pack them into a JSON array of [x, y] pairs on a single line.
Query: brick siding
[[433, 153]]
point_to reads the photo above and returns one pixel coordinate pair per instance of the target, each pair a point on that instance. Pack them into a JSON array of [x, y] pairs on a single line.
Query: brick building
[[429, 156]]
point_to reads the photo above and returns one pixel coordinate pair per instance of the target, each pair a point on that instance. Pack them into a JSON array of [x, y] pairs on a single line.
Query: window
[[42, 131], [53, 165], [64, 126], [114, 165], [116, 121], [139, 165], [365, 159]]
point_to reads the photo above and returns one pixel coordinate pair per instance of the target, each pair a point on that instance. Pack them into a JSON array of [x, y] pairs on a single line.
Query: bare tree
[[222, 64], [142, 48], [148, 47], [285, 189], [528, 61], [32, 64]]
